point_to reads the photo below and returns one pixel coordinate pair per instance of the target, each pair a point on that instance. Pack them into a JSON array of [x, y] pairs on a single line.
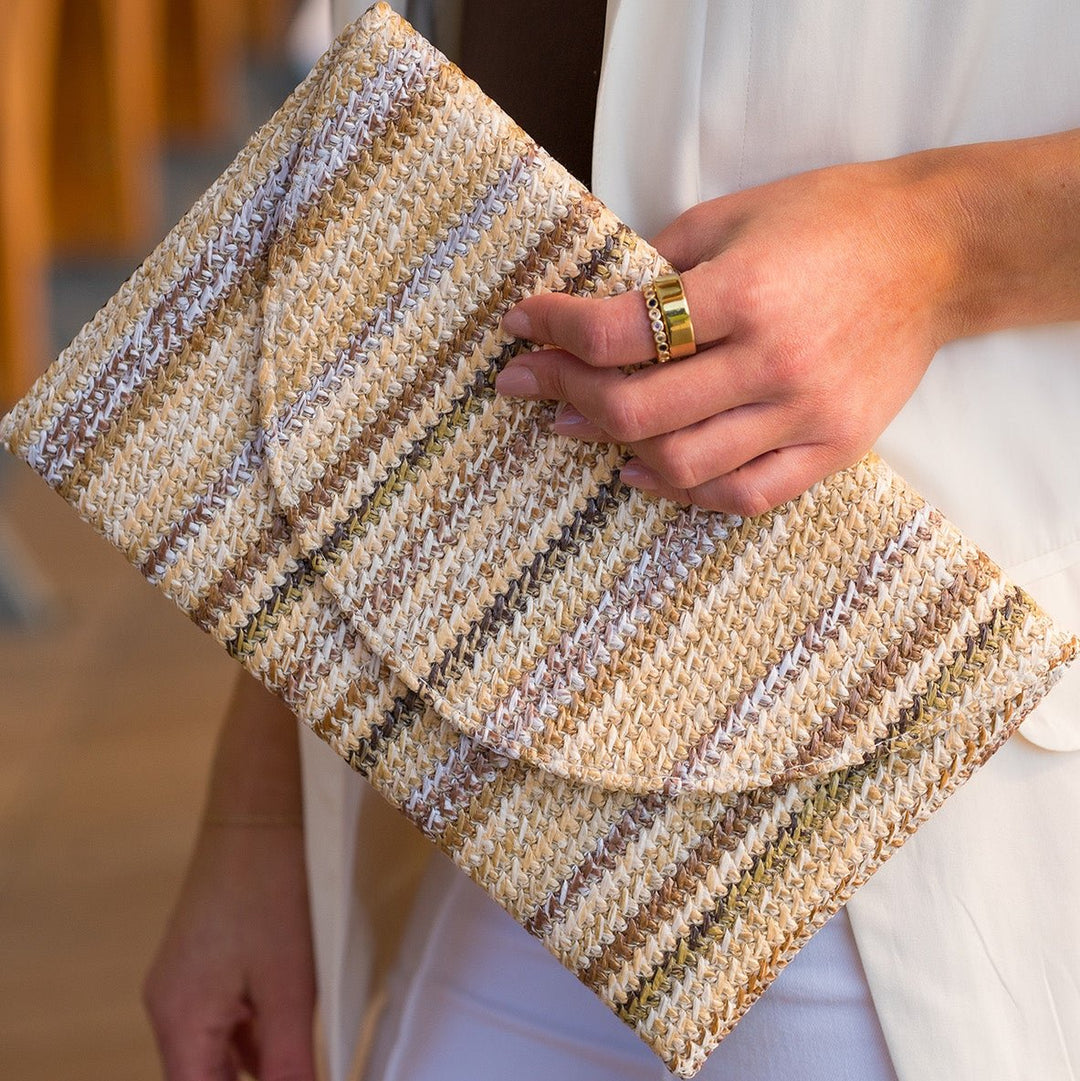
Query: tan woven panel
[[670, 742]]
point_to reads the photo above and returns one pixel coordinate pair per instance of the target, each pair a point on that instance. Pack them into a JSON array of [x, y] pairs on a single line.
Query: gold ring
[[675, 314]]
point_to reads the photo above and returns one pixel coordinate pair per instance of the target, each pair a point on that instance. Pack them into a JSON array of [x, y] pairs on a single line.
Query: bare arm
[[233, 983], [1013, 209], [256, 765]]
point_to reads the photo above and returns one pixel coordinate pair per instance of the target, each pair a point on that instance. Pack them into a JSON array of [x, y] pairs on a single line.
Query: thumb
[[697, 234]]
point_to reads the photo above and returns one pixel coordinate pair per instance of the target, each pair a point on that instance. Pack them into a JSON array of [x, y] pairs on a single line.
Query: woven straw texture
[[671, 743]]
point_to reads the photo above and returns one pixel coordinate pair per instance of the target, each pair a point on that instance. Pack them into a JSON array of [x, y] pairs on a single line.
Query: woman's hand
[[233, 985], [816, 306], [818, 302]]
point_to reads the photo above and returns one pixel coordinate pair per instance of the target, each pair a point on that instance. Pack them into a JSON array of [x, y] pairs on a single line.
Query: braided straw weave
[[671, 743]]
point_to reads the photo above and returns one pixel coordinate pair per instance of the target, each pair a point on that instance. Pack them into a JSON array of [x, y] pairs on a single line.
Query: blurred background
[[114, 116]]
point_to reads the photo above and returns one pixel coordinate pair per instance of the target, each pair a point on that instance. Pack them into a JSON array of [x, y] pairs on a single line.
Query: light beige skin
[[233, 983], [818, 302]]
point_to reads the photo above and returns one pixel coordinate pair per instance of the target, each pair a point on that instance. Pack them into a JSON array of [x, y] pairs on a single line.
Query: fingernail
[[637, 476], [517, 381], [567, 420], [516, 322]]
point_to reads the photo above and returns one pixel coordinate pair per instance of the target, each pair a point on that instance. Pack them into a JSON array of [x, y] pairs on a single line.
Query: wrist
[[978, 218], [1008, 215], [933, 225]]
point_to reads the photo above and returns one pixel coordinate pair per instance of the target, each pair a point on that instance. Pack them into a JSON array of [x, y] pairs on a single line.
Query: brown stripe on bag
[[255, 219], [674, 893], [75, 430], [439, 233], [600, 677], [466, 769], [842, 606], [603, 858], [254, 631], [147, 395], [471, 764], [248, 637], [569, 540], [408, 707], [958, 598], [832, 793], [344, 470], [218, 489]]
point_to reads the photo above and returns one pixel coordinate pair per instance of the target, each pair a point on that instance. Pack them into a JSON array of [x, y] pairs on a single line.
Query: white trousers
[[473, 997]]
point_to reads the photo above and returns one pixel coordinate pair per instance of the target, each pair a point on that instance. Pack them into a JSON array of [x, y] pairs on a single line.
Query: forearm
[[1011, 212], [233, 983], [256, 772]]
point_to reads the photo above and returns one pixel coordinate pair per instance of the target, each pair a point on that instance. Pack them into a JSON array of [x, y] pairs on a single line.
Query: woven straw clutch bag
[[671, 743]]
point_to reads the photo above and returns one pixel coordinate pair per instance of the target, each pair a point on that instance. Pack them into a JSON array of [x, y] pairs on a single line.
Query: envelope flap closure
[[504, 572], [632, 644]]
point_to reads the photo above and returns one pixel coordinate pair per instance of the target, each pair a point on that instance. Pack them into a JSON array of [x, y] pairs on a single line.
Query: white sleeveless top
[[969, 935]]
